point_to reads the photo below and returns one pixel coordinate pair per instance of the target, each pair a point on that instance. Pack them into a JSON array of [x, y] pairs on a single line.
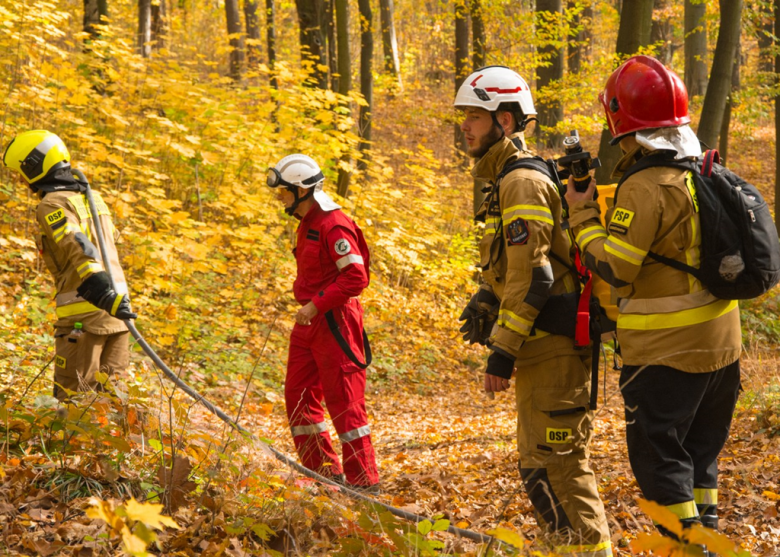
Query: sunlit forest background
[[175, 109]]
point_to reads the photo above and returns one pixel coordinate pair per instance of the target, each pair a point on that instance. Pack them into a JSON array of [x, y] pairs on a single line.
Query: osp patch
[[621, 220], [557, 436], [517, 232], [59, 361], [55, 216], [342, 247]]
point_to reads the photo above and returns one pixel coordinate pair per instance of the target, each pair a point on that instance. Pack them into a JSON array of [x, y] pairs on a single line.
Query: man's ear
[[506, 121]]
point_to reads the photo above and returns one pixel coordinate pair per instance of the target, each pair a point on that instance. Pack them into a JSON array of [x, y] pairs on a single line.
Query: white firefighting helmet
[[301, 170], [491, 86]]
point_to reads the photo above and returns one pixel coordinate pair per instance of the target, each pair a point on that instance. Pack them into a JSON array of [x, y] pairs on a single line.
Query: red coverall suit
[[332, 260]]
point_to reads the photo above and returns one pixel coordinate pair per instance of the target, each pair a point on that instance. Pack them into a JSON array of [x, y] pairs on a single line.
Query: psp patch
[[342, 247], [517, 232], [558, 436], [621, 220]]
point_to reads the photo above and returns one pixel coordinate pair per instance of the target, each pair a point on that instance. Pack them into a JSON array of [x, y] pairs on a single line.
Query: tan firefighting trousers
[[554, 427], [79, 357]]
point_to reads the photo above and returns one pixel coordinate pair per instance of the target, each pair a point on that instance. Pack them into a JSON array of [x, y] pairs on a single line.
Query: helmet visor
[[274, 178]]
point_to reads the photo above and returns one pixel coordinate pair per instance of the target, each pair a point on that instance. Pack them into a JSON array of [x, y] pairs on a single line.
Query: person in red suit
[[329, 350]]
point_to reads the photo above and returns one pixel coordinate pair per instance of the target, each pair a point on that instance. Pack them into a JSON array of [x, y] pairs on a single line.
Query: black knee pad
[[544, 499]]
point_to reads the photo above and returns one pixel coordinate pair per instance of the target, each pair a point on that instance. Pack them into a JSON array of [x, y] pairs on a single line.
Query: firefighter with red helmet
[[89, 335], [680, 344], [329, 350], [526, 259]]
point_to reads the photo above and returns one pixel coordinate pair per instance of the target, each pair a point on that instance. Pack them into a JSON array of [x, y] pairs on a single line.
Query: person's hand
[[573, 196], [495, 384], [306, 314], [96, 289]]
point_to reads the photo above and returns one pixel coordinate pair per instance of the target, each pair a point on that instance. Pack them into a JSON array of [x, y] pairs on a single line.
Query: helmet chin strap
[[291, 209]]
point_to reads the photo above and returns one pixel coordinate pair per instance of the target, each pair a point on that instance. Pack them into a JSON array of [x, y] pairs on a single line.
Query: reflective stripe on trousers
[[312, 429], [603, 549], [355, 434]]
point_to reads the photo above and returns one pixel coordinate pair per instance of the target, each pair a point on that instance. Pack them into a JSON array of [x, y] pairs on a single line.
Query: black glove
[[500, 366], [96, 289], [479, 315]]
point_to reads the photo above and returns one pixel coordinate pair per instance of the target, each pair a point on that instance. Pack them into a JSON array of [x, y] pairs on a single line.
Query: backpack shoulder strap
[[532, 163], [711, 157]]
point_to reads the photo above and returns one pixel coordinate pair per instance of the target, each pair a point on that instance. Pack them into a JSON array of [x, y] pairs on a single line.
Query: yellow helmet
[[36, 154]]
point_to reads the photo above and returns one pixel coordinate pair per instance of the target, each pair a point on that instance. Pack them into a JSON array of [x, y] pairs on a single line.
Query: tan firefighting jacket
[[71, 252], [666, 316], [522, 225]]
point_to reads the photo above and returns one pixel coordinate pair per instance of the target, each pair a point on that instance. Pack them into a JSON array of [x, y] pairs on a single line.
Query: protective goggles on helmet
[[274, 180]]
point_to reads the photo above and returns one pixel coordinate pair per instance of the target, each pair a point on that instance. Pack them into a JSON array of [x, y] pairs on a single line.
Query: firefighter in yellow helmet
[[680, 344], [526, 260], [89, 335]]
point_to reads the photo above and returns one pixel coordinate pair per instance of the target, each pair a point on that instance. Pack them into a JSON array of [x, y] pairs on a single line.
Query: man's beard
[[491, 138]]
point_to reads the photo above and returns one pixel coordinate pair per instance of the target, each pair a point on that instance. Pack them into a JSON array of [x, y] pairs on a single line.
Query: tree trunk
[[695, 48], [548, 12], [574, 45], [389, 42], [159, 22], [145, 28], [662, 32], [252, 20], [633, 33], [720, 76], [366, 77], [345, 76], [330, 34], [312, 40], [235, 38], [461, 60], [95, 13], [723, 144], [477, 35], [765, 28], [270, 40], [777, 124], [478, 61]]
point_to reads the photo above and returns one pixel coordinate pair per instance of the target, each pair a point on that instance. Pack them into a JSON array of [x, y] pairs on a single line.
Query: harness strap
[[334, 328]]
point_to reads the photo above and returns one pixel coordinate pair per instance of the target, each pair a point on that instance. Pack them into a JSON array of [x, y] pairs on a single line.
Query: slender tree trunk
[[145, 28], [723, 144], [366, 77], [662, 31], [330, 33], [548, 14], [159, 24], [777, 120], [477, 35], [633, 33], [312, 39], [95, 13], [695, 48], [270, 40], [252, 20], [236, 39], [345, 77], [574, 45], [765, 28], [389, 42], [461, 59], [478, 61], [720, 76]]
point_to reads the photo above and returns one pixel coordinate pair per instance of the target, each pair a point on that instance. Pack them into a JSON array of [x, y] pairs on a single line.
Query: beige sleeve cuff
[[507, 341], [583, 212]]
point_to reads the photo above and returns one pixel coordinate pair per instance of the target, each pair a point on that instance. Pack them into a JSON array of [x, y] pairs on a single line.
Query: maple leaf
[[149, 514], [175, 480]]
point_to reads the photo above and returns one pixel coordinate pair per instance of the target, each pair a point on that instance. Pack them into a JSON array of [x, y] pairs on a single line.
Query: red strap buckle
[[582, 327]]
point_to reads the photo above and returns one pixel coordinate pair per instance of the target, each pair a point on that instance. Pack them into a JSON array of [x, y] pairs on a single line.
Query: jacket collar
[[489, 166]]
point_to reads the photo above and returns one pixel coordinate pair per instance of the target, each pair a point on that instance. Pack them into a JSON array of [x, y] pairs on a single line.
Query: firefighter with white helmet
[[526, 257], [680, 344], [89, 335], [329, 350]]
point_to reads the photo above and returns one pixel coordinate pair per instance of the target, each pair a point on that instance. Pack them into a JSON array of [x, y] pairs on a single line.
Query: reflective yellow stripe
[[692, 190], [91, 267], [60, 233], [117, 301], [491, 225], [681, 318], [589, 234], [703, 496], [624, 251], [527, 212], [75, 309], [684, 510], [603, 549], [514, 322]]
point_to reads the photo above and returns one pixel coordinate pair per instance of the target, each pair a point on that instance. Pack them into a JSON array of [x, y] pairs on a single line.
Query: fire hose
[[268, 449]]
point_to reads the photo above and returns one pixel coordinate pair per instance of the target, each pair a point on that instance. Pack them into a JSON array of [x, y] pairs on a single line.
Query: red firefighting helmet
[[643, 94]]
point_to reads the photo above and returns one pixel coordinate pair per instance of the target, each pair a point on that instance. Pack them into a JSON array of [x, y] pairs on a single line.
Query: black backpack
[[740, 251]]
